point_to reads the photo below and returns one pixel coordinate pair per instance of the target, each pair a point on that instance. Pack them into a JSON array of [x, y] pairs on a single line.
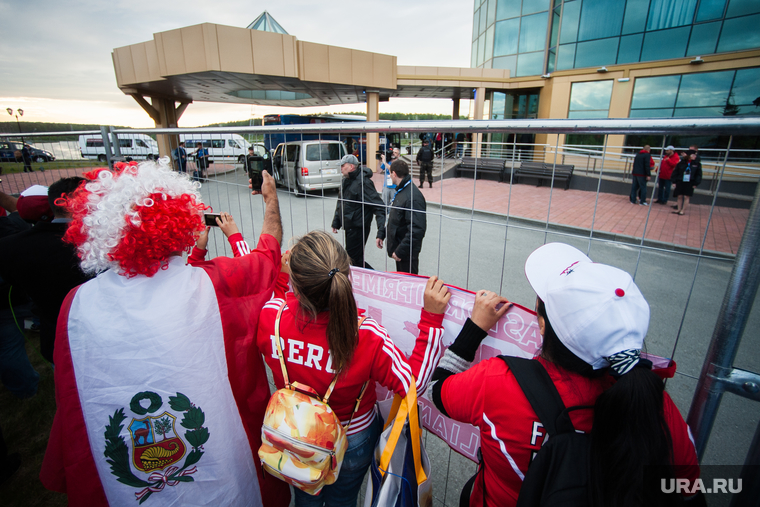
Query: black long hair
[[629, 436]]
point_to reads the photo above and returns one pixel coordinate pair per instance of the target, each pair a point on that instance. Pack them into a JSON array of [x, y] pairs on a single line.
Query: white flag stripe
[[130, 344]]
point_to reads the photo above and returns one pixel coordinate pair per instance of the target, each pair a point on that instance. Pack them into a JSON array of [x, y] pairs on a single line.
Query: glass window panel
[[533, 6], [555, 29], [491, 12], [530, 64], [742, 7], [506, 37], [483, 19], [670, 13], [665, 44], [749, 111], [705, 89], [703, 39], [550, 61], [596, 53], [482, 48], [475, 24], [489, 43], [569, 32], [506, 9], [600, 18], [698, 111], [740, 33], [710, 9], [588, 114], [533, 32], [591, 95], [499, 103], [506, 62], [566, 57], [655, 92], [651, 113], [745, 88], [630, 48], [635, 16], [474, 54]]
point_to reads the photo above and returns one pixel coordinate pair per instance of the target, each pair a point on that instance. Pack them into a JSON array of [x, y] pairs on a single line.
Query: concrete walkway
[[614, 213]]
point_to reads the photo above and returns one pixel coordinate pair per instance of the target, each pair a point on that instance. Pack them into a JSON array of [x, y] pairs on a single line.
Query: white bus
[[131, 146], [227, 147]]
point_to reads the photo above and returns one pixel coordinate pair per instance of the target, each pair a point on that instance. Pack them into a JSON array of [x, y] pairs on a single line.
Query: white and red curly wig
[[134, 218]]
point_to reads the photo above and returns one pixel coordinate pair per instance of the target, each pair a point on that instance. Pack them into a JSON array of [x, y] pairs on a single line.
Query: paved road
[[468, 250]]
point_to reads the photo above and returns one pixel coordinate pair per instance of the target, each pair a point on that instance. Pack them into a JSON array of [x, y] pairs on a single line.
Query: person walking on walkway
[[358, 202], [640, 175], [425, 160], [406, 221], [686, 175]]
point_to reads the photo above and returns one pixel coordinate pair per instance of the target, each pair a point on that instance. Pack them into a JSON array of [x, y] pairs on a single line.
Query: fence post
[[106, 144], [718, 374]]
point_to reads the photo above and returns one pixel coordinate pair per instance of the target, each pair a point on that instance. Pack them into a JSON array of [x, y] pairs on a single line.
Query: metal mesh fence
[[485, 217]]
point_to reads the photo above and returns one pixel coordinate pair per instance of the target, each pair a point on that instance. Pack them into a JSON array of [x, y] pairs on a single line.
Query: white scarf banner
[[394, 300]]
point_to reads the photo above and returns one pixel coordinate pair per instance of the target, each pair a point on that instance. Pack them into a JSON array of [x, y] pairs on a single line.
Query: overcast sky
[[55, 55]]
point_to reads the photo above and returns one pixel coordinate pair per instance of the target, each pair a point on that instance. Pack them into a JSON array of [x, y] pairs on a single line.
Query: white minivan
[[221, 147], [131, 146], [304, 166]]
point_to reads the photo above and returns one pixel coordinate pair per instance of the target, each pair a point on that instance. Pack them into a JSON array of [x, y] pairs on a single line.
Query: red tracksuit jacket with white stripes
[[376, 358]]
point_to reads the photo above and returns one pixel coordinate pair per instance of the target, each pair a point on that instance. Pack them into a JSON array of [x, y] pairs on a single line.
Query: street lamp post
[[20, 113]]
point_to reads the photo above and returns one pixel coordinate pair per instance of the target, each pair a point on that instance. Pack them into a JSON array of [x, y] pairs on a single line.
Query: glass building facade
[[533, 37]]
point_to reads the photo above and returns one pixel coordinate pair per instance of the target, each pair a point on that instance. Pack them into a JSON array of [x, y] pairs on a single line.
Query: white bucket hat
[[596, 310]]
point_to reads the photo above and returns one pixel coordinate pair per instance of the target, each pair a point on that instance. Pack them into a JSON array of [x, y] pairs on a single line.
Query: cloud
[[55, 57]]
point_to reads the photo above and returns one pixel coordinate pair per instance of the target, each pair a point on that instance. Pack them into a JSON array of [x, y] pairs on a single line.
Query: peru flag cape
[[160, 392]]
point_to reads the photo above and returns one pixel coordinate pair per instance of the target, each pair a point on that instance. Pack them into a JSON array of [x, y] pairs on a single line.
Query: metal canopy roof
[[217, 63]]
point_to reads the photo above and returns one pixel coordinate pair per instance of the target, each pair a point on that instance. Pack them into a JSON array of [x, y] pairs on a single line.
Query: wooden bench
[[543, 171], [484, 165]]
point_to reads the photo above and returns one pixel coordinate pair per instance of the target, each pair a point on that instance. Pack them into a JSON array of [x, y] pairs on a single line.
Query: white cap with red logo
[[596, 310]]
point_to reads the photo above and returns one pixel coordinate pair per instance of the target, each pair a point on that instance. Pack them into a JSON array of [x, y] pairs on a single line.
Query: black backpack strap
[[541, 392]]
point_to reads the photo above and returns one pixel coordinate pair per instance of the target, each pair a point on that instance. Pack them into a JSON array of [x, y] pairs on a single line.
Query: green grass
[[18, 167], [26, 428]]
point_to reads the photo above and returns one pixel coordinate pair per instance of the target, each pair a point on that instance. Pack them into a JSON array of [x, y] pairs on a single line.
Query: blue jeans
[[16, 372], [639, 187], [356, 461], [664, 190]]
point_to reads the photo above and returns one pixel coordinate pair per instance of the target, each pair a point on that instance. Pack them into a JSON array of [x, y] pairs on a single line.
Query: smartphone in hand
[[255, 168], [210, 219]]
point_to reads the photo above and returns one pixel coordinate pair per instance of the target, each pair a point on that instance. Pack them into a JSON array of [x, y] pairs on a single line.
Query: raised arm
[[459, 356], [272, 221]]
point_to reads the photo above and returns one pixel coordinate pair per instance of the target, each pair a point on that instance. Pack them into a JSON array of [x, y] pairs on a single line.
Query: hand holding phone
[[210, 219], [255, 168]]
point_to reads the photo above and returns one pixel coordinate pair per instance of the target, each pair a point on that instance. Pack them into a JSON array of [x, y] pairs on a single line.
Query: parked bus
[[131, 146], [355, 142]]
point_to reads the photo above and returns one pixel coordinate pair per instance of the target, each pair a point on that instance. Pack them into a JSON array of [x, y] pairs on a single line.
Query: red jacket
[[376, 358], [667, 165], [489, 397]]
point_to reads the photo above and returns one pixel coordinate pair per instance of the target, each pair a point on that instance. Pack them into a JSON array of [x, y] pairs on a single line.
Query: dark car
[[8, 151]]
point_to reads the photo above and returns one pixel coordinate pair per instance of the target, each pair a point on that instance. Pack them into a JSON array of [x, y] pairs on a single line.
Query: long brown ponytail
[[319, 272]]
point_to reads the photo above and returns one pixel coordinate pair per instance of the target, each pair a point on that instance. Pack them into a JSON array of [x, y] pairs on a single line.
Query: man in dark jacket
[[407, 222], [26, 154], [640, 175], [358, 202], [425, 160], [38, 262]]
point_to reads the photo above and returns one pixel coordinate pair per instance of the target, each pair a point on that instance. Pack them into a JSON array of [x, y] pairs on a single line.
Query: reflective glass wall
[[723, 93], [530, 37]]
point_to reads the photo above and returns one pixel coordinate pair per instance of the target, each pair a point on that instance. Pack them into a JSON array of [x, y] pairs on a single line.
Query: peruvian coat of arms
[[157, 446]]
